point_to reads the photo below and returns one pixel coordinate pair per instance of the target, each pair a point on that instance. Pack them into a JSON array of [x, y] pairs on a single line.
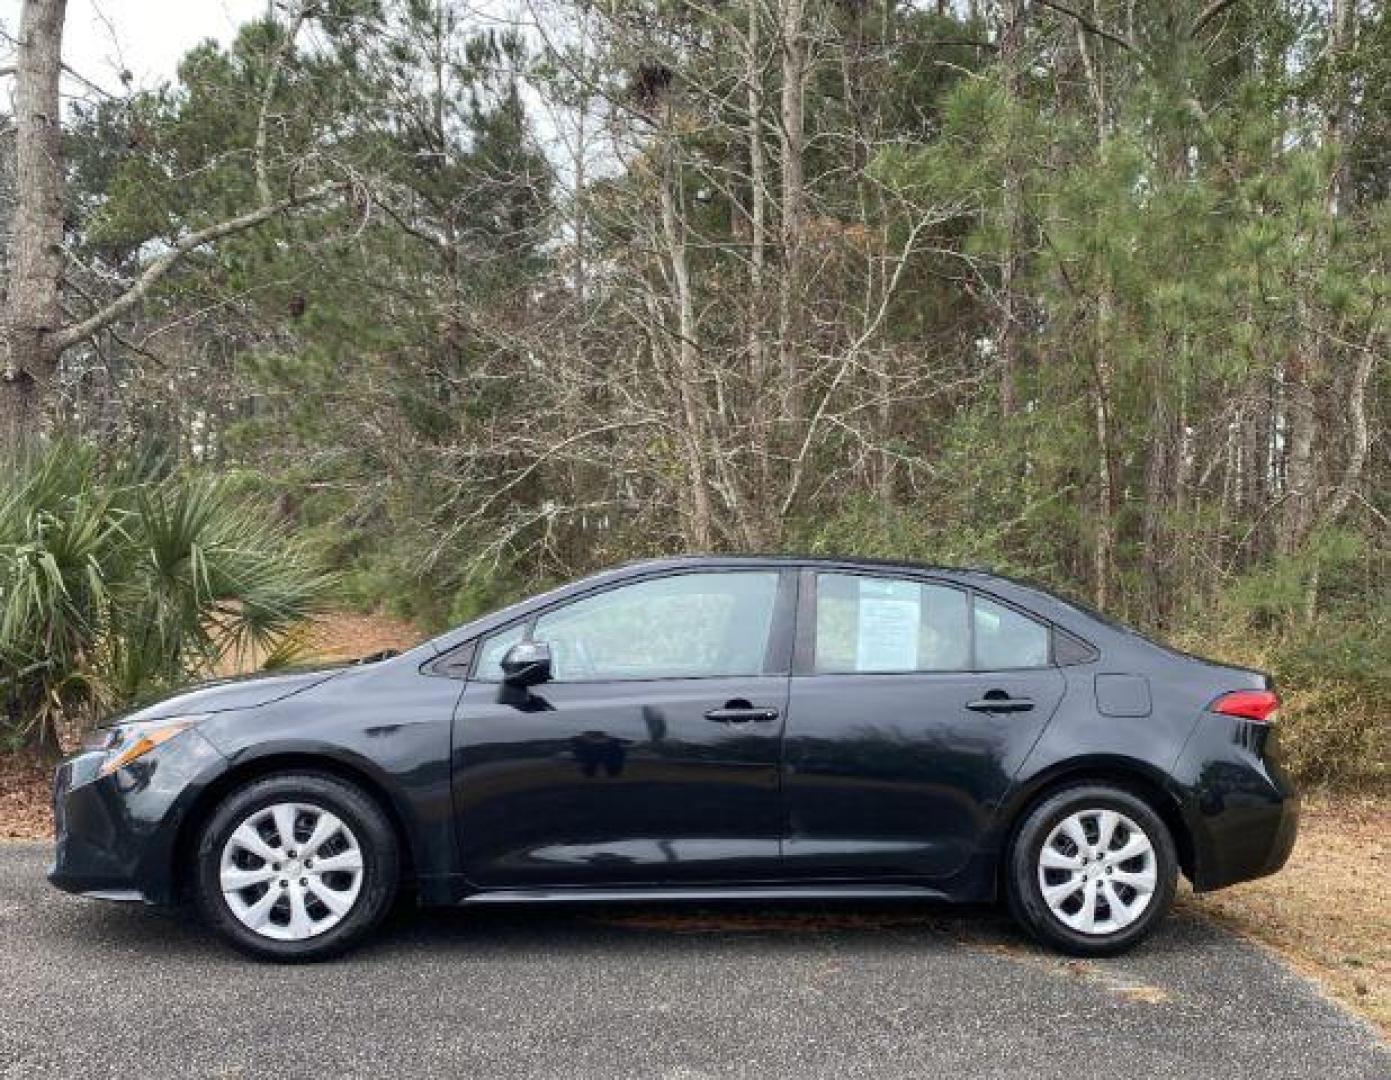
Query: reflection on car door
[[898, 746], [653, 755]]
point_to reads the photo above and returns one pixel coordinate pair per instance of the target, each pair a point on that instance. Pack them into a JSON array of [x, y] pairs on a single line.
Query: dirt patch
[[26, 808], [1143, 995], [1329, 910], [339, 635], [346, 636]]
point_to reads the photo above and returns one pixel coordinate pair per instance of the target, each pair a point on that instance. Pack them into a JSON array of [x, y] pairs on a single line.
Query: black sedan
[[700, 728]]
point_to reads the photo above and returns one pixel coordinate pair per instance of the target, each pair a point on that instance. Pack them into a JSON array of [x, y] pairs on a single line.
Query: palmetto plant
[[58, 537], [115, 583]]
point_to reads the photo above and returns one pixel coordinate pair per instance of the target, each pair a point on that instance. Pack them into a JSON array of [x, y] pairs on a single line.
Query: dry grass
[[1329, 910]]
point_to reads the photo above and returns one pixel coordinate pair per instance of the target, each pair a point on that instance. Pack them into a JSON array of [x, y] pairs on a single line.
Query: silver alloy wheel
[[291, 871], [1097, 871]]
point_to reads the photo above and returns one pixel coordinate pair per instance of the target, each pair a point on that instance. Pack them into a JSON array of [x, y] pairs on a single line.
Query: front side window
[[1006, 639], [685, 626], [489, 665], [869, 624]]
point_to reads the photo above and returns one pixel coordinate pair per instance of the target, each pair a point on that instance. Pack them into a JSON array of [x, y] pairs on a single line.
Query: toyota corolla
[[698, 729]]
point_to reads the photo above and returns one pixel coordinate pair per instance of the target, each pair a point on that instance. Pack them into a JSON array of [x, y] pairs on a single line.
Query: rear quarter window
[[1007, 639]]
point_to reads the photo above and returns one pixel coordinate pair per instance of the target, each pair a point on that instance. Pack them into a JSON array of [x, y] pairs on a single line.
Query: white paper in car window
[[890, 615]]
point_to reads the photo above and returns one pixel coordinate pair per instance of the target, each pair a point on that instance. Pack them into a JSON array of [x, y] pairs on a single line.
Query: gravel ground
[[93, 989]]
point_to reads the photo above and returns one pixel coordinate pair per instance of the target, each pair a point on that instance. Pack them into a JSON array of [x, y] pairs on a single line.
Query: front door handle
[[995, 702], [741, 713]]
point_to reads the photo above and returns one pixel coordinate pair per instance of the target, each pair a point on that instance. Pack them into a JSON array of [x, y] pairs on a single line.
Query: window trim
[[777, 655], [804, 656], [454, 664]]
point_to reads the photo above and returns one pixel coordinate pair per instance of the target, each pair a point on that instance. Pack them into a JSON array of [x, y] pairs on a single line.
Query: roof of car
[[779, 558], [860, 561]]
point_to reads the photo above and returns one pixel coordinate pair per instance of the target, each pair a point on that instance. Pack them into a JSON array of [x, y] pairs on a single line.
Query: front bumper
[[116, 834]]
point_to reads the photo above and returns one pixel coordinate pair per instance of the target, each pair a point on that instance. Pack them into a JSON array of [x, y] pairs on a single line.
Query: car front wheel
[[296, 866], [1092, 870]]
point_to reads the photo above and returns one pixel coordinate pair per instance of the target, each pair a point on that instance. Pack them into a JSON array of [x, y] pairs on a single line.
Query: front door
[[651, 757], [913, 705]]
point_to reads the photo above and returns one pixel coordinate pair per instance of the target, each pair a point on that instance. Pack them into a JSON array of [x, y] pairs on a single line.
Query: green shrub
[[120, 581], [1320, 622]]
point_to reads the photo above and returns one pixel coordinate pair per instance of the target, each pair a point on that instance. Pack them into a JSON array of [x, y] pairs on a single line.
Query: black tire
[[1025, 892], [357, 810]]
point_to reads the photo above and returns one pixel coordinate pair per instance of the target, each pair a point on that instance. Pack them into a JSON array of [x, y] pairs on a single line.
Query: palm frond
[[116, 583]]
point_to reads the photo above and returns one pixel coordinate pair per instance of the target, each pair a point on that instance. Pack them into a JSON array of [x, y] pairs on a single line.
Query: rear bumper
[[116, 834], [1241, 807], [1245, 843]]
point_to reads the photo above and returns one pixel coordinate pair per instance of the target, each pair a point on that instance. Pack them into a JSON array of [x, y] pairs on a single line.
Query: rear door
[[912, 705], [651, 757]]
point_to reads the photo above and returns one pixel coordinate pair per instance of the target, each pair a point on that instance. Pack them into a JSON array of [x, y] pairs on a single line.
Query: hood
[[227, 695]]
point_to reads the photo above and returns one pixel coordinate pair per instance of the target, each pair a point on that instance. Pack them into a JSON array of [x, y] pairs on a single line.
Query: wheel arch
[[285, 760], [1133, 776]]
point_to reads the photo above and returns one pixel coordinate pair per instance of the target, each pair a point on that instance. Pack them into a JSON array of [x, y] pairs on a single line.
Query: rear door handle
[[1000, 704], [741, 715]]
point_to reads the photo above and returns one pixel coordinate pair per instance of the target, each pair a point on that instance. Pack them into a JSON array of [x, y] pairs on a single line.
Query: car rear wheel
[[1092, 870], [296, 866]]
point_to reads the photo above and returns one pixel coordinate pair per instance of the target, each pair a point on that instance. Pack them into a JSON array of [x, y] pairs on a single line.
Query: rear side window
[[878, 624], [1007, 639]]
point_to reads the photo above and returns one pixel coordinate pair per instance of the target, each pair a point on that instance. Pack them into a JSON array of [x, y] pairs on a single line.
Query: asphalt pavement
[[93, 989]]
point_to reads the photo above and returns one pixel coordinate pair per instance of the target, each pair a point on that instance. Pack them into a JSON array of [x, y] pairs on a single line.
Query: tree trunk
[[1300, 418], [1305, 374], [700, 527], [792, 16], [581, 238], [32, 310], [1104, 554], [32, 334], [1340, 40], [1011, 33], [758, 239], [1155, 556], [1360, 434]]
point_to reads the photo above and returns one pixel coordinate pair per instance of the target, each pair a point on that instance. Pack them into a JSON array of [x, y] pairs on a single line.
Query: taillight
[[1258, 705]]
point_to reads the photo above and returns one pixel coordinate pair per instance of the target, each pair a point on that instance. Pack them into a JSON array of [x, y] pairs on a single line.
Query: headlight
[[125, 743]]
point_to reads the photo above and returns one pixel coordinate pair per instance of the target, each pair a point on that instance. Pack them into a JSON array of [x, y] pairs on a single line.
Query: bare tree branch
[[1090, 26], [71, 335], [1214, 9], [277, 66]]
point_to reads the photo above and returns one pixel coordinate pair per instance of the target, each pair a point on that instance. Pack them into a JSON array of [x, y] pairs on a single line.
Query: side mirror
[[527, 663]]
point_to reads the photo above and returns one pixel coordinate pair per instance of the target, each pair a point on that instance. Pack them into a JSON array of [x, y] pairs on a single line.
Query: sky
[[145, 37], [148, 38]]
